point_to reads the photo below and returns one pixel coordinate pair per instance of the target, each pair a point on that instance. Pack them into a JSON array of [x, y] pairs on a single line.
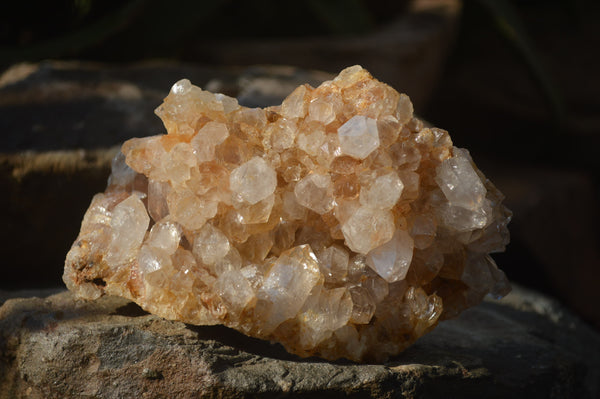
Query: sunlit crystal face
[[335, 224], [392, 259], [367, 229], [315, 192], [359, 136], [383, 192], [253, 181]]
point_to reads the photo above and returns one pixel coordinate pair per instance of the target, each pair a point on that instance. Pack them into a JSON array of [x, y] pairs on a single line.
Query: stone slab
[[59, 347]]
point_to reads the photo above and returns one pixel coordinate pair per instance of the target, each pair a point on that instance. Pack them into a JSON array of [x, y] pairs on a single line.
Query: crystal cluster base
[[337, 223]]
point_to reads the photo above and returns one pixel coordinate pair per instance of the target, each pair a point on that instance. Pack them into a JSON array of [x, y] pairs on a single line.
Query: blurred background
[[516, 82]]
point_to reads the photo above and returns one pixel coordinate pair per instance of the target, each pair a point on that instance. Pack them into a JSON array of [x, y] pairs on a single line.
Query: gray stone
[[58, 347]]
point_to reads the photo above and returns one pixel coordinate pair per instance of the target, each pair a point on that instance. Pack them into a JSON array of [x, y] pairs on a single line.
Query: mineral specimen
[[337, 224]]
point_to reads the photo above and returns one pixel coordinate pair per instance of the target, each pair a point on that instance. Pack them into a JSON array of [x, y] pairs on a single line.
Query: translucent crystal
[[210, 245], [294, 106], [128, 223], [460, 183], [321, 111], [253, 181], [207, 138], [190, 210], [351, 76], [359, 136], [235, 290], [157, 199], [404, 109], [178, 163], [257, 213], [337, 224], [392, 259], [363, 305], [281, 134], [229, 104], [121, 174], [324, 312], [165, 235], [232, 260], [292, 208], [368, 228], [311, 139], [334, 263], [151, 259], [315, 192], [288, 284], [462, 219], [423, 231], [383, 192]]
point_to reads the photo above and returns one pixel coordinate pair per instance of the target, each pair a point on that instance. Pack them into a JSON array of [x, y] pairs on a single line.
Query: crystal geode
[[336, 224]]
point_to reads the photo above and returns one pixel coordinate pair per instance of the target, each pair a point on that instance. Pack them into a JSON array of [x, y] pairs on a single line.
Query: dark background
[[517, 83]]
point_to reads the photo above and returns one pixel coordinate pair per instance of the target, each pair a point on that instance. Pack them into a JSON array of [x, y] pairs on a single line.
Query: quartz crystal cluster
[[337, 224]]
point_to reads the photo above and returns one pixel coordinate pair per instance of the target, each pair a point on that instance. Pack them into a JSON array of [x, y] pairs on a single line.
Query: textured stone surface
[[231, 218], [524, 346]]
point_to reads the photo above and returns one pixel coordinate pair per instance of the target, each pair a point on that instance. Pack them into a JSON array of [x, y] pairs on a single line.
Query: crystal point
[[128, 223], [315, 193], [359, 136], [392, 259], [253, 181]]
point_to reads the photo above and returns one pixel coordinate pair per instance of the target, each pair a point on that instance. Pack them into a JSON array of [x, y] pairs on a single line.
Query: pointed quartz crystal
[[233, 288], [334, 263], [460, 183], [288, 284], [315, 193], [383, 192], [392, 259], [253, 181], [367, 229], [359, 136], [323, 313], [129, 224], [207, 138], [210, 245]]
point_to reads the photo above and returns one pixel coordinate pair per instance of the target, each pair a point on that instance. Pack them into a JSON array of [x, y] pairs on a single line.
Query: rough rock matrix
[[336, 224]]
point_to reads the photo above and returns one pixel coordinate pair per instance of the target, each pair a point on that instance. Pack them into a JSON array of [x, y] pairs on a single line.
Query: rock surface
[[58, 347]]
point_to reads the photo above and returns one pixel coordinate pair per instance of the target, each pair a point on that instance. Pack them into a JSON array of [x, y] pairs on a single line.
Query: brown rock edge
[[523, 346]]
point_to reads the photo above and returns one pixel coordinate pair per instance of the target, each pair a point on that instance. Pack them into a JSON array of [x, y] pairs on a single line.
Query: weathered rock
[[523, 346]]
